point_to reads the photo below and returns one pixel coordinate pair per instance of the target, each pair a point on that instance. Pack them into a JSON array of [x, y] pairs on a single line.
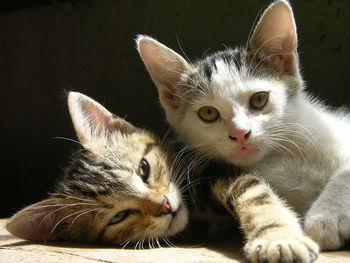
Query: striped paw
[[273, 250]]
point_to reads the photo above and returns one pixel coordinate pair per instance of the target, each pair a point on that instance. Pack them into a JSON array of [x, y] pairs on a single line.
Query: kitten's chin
[[246, 157], [178, 221]]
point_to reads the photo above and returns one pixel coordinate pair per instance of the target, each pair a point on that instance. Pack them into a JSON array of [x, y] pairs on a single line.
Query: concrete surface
[[13, 249]]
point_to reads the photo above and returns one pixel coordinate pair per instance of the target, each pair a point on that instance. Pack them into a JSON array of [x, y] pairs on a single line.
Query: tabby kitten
[[118, 187], [248, 106]]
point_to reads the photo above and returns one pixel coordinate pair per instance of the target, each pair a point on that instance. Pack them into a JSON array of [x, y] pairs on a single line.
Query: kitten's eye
[[119, 217], [208, 114], [144, 170], [259, 100]]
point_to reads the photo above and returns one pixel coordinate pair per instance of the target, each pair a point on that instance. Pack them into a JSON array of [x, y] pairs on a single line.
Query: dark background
[[87, 46]]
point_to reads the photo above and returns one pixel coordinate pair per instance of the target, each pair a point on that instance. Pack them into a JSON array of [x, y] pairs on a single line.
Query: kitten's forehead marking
[[222, 73], [228, 60]]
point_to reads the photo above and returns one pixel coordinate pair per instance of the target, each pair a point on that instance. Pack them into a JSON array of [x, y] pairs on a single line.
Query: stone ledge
[[13, 249]]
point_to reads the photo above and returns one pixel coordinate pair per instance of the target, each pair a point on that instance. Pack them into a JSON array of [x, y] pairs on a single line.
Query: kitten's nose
[[240, 136], [165, 207]]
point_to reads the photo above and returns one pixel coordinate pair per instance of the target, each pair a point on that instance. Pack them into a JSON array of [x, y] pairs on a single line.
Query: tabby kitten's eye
[[144, 170], [119, 217], [258, 100], [208, 114]]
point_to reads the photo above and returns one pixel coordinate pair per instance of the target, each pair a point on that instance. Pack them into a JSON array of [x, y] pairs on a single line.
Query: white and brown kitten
[[248, 106], [120, 189]]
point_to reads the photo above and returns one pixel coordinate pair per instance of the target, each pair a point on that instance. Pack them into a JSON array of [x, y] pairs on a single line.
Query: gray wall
[[88, 47]]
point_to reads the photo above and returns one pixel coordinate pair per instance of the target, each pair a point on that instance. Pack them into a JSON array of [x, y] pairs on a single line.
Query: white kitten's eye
[[144, 170], [258, 100], [208, 114], [120, 217]]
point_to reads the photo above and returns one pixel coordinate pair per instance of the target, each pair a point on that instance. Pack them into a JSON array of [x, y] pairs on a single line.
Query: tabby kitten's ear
[[91, 120], [165, 67], [37, 222], [275, 38]]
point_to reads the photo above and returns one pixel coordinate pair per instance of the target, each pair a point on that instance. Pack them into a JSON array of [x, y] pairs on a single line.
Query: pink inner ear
[[168, 96], [284, 63], [99, 118], [275, 38], [165, 67], [116, 123]]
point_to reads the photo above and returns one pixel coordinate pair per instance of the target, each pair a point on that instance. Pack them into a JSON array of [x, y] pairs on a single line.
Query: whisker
[[60, 205], [149, 243], [125, 243], [70, 196], [56, 210], [64, 218], [83, 213], [183, 52], [66, 139], [158, 243], [137, 244], [167, 241]]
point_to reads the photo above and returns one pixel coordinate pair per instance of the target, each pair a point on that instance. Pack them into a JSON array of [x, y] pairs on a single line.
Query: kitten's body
[[248, 106]]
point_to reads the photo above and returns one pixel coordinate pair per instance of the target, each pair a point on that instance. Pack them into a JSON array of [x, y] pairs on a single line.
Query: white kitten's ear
[[275, 38], [91, 119], [165, 67], [36, 222]]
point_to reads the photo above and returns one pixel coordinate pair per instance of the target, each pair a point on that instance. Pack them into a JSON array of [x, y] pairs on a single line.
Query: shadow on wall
[[87, 46]]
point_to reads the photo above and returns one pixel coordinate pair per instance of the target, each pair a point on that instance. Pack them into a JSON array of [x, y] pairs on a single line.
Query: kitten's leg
[[328, 220], [272, 230]]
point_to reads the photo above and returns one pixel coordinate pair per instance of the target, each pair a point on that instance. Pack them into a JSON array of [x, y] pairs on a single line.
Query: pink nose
[[240, 136], [165, 207]]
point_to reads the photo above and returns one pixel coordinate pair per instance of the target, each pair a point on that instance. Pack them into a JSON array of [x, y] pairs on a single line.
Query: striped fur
[[272, 231]]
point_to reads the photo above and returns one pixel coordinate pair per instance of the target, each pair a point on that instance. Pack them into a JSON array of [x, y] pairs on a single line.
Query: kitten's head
[[118, 187], [231, 104]]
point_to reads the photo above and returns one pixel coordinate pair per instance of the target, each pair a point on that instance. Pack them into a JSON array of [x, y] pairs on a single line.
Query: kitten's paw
[[301, 249], [330, 230]]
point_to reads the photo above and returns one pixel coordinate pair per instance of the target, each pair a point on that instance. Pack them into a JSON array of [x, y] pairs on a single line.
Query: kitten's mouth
[[244, 155], [245, 151]]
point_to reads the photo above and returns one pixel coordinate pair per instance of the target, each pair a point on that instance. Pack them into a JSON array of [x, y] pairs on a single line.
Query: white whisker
[[64, 218]]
